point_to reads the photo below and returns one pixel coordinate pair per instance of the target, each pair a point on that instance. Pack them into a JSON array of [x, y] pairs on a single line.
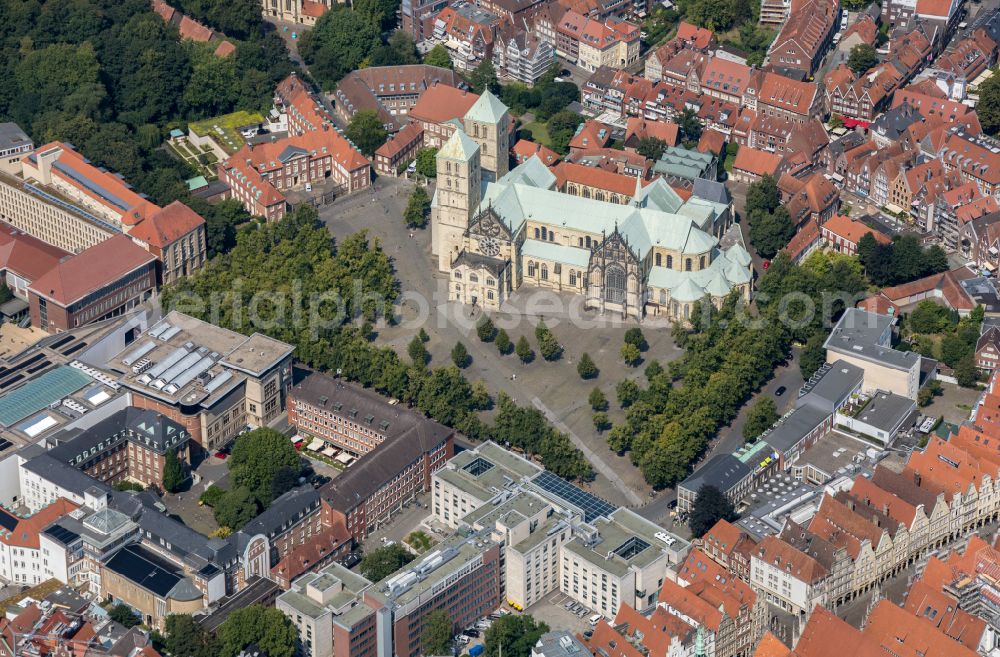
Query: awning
[[988, 266], [329, 451], [316, 445], [344, 458], [892, 207]]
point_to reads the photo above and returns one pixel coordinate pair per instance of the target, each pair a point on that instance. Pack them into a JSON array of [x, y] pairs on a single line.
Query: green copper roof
[[532, 172], [488, 109], [688, 290], [459, 147], [551, 252]]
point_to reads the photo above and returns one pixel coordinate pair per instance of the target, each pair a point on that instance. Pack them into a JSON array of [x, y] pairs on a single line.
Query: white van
[[595, 619]]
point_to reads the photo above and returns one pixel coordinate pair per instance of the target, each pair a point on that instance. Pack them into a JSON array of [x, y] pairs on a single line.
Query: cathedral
[[495, 230]]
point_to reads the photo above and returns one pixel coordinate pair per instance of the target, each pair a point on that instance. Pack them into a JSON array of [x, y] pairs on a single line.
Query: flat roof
[[626, 540], [885, 410], [184, 360], [833, 453], [858, 334], [723, 471], [796, 426]]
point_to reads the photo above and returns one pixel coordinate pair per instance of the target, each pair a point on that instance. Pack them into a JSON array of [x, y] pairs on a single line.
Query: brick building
[[106, 280]]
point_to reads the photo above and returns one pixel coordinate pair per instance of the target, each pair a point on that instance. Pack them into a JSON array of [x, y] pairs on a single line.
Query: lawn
[[226, 129], [539, 133]]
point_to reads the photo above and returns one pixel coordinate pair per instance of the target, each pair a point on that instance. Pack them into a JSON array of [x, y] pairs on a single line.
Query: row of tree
[[339, 289], [900, 261], [266, 627]]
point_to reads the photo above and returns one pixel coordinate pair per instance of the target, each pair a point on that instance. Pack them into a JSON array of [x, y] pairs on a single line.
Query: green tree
[[771, 231], [954, 349], [236, 508], [863, 56], [561, 127], [417, 352], [438, 56], [631, 355], [689, 127], [635, 337], [484, 78], [422, 334], [760, 417], [651, 148], [763, 195], [212, 495], [503, 342], [257, 456], [710, 506], [813, 355], [597, 400], [836, 121], [627, 391], [988, 107], [186, 638], [173, 472], [284, 480], [586, 367], [437, 636], [266, 627], [653, 370], [524, 350], [460, 356], [601, 421], [367, 132], [417, 208], [338, 43], [122, 614], [548, 346], [486, 330], [513, 636], [927, 394], [384, 561], [965, 371], [427, 162]]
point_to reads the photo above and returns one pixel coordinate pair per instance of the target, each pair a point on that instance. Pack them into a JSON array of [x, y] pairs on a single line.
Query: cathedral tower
[[459, 179], [488, 123]]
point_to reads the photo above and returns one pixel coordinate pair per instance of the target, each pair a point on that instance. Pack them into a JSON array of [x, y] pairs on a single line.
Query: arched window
[[475, 129], [614, 284], [531, 269], [545, 233], [489, 295], [588, 241], [580, 241], [658, 260], [687, 264], [670, 262], [701, 262], [491, 282], [599, 195], [536, 233], [458, 275], [545, 272], [572, 278], [447, 167], [663, 297], [586, 193]]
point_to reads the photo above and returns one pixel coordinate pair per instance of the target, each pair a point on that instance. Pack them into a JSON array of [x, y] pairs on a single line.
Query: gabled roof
[[487, 109], [852, 231], [771, 646], [27, 256], [90, 270], [525, 148], [756, 162], [442, 102], [168, 225]]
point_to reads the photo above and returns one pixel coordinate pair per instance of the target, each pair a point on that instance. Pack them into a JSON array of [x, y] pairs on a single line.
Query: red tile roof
[[640, 128], [410, 132], [165, 11], [104, 187], [442, 102], [756, 162], [802, 240], [26, 530], [606, 641], [27, 256], [936, 8], [165, 227], [712, 141], [593, 134], [313, 9], [690, 604], [942, 611], [192, 29], [771, 646], [877, 303], [655, 632], [726, 76], [826, 635], [902, 634], [225, 49], [951, 291], [525, 148], [266, 156], [851, 230], [89, 270], [865, 28], [787, 94], [798, 564], [698, 36], [595, 177]]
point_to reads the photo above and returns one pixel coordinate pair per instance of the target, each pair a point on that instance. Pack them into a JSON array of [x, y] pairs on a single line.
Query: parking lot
[[552, 609]]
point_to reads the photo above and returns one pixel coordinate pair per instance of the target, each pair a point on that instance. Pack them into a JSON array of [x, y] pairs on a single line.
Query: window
[[536, 233], [545, 272], [572, 277], [658, 260], [663, 297], [473, 278], [687, 264], [701, 262], [545, 233], [614, 284], [670, 262], [531, 269]]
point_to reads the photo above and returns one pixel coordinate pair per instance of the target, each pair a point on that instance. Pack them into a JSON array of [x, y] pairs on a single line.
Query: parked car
[[780, 391]]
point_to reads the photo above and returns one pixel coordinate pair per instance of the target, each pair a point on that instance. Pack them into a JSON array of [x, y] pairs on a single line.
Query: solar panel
[[61, 534], [591, 505], [7, 521]]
